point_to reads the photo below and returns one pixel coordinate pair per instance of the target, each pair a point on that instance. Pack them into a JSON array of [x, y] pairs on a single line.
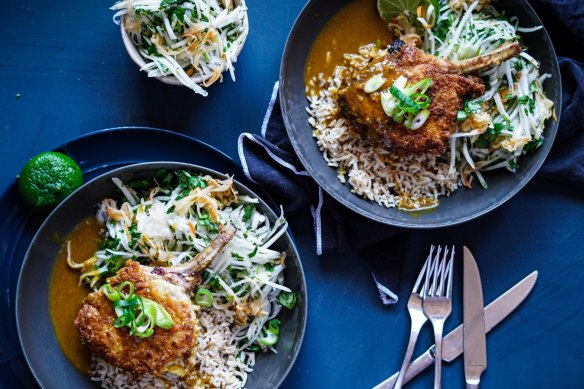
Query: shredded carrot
[[192, 228]]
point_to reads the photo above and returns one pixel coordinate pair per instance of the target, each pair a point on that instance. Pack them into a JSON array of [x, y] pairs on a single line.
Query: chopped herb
[[236, 256], [141, 184], [248, 210], [490, 135], [170, 210], [253, 253], [472, 106], [287, 299], [513, 164], [254, 348], [461, 116], [135, 234], [533, 87], [152, 50], [441, 30], [205, 221], [167, 3], [179, 13], [214, 284], [533, 145], [269, 267]]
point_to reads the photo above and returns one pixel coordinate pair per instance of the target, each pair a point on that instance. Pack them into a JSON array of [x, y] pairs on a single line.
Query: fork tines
[[438, 280]]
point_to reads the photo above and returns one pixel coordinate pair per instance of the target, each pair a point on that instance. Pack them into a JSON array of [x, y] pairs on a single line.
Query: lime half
[[47, 179], [389, 9]]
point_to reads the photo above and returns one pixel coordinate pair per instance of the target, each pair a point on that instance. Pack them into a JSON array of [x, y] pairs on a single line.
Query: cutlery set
[[431, 300]]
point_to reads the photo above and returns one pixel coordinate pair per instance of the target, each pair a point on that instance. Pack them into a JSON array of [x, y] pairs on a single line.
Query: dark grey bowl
[[41, 350], [464, 204]]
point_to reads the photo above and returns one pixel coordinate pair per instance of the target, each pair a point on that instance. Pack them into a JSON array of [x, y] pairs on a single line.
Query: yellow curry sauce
[[65, 294], [356, 24]]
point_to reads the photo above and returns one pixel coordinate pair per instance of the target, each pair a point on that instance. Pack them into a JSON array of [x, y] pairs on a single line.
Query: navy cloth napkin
[[269, 160]]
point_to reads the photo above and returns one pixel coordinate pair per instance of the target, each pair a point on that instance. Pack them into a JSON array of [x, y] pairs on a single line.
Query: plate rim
[[330, 189]]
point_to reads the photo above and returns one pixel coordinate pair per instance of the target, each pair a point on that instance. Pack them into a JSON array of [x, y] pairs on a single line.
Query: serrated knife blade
[[452, 344], [474, 336]]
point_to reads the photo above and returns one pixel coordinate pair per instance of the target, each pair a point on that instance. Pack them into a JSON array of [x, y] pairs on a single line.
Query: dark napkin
[[269, 160]]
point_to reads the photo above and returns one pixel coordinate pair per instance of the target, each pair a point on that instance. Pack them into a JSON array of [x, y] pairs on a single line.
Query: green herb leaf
[[253, 253], [179, 13], [533, 145], [473, 106], [461, 115], [287, 299], [248, 210], [167, 3]]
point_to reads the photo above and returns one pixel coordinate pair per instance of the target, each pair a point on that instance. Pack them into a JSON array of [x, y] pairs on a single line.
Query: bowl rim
[[303, 315], [134, 53], [310, 7]]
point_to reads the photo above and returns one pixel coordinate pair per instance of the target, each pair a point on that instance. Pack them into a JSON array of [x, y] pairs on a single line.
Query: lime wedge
[[389, 9]]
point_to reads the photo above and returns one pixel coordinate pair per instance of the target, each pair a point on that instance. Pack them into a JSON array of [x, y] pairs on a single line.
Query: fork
[[437, 303], [417, 317]]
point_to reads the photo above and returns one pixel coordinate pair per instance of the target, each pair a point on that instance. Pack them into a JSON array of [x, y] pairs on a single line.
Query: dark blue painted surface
[[68, 63]]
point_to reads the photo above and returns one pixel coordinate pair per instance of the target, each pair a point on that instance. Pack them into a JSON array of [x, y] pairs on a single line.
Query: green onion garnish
[[407, 104], [373, 84], [404, 99], [203, 297], [461, 115], [138, 313], [269, 336]]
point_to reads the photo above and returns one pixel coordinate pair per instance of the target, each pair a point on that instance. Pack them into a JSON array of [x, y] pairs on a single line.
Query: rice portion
[[372, 172], [217, 359]]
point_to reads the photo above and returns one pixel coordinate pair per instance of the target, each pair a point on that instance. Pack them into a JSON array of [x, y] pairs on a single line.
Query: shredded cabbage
[[194, 40], [514, 106]]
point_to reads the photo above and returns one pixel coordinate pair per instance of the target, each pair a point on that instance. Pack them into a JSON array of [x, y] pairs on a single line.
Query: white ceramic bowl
[[134, 53]]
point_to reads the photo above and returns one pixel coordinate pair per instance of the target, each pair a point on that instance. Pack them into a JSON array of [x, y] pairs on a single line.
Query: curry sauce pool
[[355, 25], [65, 294]]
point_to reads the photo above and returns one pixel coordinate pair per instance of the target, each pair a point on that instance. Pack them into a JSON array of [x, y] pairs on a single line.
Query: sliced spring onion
[[110, 292], [274, 326], [203, 297], [461, 115], [420, 86], [158, 314], [404, 100], [421, 99], [121, 289], [373, 84], [138, 313], [400, 82], [419, 120], [267, 338], [388, 103]]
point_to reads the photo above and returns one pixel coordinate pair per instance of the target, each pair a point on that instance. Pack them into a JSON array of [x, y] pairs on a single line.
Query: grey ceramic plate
[[464, 204], [44, 356]]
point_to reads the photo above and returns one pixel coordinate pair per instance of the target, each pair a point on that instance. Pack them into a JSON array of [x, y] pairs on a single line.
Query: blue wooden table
[[65, 61]]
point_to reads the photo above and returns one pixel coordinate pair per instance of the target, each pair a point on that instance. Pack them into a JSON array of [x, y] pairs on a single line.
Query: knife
[[474, 336], [452, 345]]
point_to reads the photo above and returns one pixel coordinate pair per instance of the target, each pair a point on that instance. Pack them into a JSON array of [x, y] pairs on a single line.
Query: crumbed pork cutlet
[[450, 85]]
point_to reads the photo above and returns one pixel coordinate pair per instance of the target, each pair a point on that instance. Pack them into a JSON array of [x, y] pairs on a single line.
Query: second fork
[[437, 302]]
